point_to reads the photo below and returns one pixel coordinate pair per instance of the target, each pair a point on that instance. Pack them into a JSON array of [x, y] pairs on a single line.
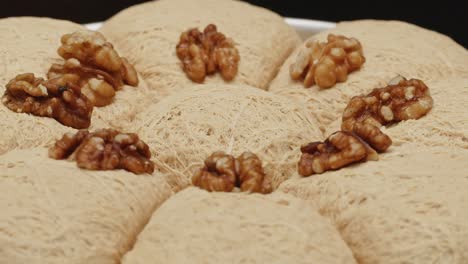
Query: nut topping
[[339, 150], [105, 149], [401, 100], [251, 175], [58, 98], [99, 69], [326, 63], [222, 172], [204, 53], [218, 174]]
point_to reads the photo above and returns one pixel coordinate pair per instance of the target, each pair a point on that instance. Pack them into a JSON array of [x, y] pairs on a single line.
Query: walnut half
[[105, 149], [222, 172], [57, 98], [337, 151], [326, 63], [99, 69], [205, 53], [401, 100]]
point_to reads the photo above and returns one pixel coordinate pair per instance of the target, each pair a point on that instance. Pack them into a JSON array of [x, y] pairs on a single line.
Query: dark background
[[447, 17]]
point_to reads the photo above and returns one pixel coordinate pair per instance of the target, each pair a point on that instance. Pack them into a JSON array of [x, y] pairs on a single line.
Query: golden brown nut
[[98, 66], [222, 172], [339, 150], [401, 100], [251, 175], [105, 149], [204, 53], [58, 98], [329, 62], [218, 174]]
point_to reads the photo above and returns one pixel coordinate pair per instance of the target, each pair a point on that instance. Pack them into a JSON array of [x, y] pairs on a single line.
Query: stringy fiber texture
[[195, 226], [410, 206], [184, 129], [53, 212]]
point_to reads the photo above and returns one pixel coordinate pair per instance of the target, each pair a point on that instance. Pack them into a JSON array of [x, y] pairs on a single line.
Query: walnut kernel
[[105, 149], [58, 98], [326, 63], [222, 172], [339, 150], [98, 66], [204, 53], [401, 100], [250, 174], [218, 174]]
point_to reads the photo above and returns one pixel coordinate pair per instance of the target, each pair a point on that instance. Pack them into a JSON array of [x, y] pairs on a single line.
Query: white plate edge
[[305, 27]]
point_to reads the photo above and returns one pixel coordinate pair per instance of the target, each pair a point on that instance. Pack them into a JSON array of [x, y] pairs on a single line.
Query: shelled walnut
[[218, 174], [58, 98], [222, 172], [105, 149], [99, 70], [337, 151], [401, 100], [251, 175], [204, 53], [326, 63]]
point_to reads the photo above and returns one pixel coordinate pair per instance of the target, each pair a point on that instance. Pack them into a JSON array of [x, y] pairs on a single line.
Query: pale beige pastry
[[182, 130], [410, 206], [53, 212], [390, 48], [445, 125], [30, 45], [195, 226], [147, 35]]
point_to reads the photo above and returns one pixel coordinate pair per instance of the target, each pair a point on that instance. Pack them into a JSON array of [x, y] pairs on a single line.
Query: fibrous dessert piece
[[218, 174], [262, 39], [252, 178], [195, 226], [389, 51], [205, 53], [184, 129], [326, 63], [33, 49], [98, 68], [410, 207], [222, 172], [401, 100], [89, 77], [53, 212], [58, 98], [339, 150], [105, 149]]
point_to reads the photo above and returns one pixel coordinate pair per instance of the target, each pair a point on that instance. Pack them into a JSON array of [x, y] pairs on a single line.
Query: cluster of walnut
[[361, 137], [222, 173], [326, 63], [97, 67], [92, 72], [59, 98], [105, 149], [204, 53]]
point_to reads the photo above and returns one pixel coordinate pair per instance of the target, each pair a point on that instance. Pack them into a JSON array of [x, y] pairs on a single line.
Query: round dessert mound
[[148, 34], [53, 212], [408, 207], [391, 48], [27, 49], [195, 226], [444, 125], [184, 129]]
